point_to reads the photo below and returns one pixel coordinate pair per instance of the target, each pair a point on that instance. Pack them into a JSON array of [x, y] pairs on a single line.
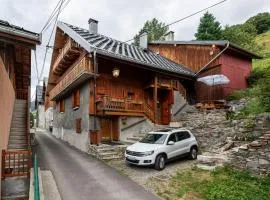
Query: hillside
[[263, 40]]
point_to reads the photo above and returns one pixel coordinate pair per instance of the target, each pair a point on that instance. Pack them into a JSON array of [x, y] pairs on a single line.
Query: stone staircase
[[17, 137], [107, 152]]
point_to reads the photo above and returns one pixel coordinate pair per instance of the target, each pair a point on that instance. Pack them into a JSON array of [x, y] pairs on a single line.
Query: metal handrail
[[36, 179]]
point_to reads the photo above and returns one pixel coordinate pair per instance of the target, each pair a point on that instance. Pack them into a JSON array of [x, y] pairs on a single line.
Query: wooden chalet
[[209, 58], [16, 44], [95, 79]]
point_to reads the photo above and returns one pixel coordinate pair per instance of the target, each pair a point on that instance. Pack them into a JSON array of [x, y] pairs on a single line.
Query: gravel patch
[[142, 175]]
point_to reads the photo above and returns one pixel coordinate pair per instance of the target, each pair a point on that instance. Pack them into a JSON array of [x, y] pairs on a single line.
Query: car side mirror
[[171, 143]]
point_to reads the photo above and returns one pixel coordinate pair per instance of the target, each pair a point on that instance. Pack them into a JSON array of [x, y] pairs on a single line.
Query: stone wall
[[255, 156], [64, 124], [246, 142]]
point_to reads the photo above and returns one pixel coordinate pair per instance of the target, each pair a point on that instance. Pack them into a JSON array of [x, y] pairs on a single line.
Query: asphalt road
[[80, 176]]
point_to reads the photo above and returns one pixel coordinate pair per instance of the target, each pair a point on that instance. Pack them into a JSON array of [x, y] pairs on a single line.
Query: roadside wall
[[41, 116], [7, 99], [64, 124]]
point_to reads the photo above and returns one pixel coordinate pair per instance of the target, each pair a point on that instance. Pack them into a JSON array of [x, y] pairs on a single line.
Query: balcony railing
[[124, 106], [119, 105], [83, 67], [70, 50]]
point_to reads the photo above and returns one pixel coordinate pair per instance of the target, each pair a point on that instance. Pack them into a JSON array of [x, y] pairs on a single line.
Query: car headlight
[[147, 153]]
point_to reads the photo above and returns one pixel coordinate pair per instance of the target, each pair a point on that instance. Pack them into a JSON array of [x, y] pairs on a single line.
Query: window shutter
[[78, 125], [77, 98], [62, 105]]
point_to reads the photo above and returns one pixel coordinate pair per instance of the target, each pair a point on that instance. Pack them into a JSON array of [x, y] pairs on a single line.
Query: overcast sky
[[121, 19]]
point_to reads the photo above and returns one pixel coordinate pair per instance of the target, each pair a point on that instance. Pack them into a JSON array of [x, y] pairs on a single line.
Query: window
[[76, 99], [172, 138], [78, 125], [62, 106], [130, 95], [182, 135]]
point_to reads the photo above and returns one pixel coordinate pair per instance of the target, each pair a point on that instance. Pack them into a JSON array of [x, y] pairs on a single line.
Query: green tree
[[243, 35], [155, 30], [261, 21], [209, 28]]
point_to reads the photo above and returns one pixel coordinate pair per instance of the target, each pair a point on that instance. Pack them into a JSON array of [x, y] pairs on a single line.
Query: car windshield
[[154, 138]]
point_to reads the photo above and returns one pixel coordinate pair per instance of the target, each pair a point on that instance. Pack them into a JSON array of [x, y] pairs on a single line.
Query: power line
[[45, 56], [51, 17], [191, 15]]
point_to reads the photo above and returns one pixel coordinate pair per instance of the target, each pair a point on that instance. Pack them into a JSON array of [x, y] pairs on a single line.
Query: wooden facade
[[235, 63], [15, 80]]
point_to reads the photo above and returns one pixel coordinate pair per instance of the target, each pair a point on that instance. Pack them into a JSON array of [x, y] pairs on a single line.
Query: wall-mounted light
[[115, 72]]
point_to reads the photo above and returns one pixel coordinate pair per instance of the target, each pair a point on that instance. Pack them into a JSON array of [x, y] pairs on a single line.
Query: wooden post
[[3, 164], [155, 99]]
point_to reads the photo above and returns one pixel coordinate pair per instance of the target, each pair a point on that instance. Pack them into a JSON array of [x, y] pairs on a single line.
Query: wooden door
[[115, 129], [166, 107], [109, 129], [106, 129]]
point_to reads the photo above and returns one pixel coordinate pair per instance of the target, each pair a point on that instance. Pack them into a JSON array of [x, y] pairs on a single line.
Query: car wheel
[[160, 162], [193, 153]]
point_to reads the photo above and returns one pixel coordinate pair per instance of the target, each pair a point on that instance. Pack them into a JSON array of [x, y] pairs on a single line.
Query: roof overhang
[[89, 48], [221, 43], [19, 34]]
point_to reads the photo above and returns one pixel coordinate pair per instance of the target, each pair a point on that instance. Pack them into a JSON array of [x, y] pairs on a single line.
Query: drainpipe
[[227, 46], [95, 86]]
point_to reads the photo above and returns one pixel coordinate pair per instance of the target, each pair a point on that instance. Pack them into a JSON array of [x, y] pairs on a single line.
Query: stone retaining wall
[[255, 156]]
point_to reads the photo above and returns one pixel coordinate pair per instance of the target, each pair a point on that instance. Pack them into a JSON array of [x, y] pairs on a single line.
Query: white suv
[[159, 146]]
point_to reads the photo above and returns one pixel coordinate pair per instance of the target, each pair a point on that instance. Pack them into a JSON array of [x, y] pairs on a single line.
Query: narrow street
[[80, 176]]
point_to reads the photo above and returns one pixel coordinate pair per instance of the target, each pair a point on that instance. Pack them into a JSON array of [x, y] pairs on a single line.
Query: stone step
[[133, 138], [16, 137], [106, 154], [18, 129], [17, 141], [109, 158], [17, 146]]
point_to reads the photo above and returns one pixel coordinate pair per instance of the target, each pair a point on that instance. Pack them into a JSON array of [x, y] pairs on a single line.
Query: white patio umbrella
[[217, 79]]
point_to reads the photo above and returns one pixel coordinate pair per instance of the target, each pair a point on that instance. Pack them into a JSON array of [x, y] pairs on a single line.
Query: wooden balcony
[[113, 106], [78, 74], [67, 55]]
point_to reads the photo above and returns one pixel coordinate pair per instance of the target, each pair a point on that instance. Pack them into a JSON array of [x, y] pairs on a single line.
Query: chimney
[[93, 26], [143, 40], [169, 36]]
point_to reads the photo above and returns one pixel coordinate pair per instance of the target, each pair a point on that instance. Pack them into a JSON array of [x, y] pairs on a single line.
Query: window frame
[[62, 106], [76, 99]]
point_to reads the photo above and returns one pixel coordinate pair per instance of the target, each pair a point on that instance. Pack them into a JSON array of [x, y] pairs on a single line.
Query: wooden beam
[[155, 98]]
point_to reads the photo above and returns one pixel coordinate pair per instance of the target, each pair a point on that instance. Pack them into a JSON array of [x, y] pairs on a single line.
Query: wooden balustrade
[[124, 105], [149, 112], [16, 163], [69, 46], [21, 94], [82, 67], [114, 104]]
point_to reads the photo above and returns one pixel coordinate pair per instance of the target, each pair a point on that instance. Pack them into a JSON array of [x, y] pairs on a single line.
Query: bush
[[237, 95]]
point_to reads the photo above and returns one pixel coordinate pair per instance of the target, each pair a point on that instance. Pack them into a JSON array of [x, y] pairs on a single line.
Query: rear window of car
[[182, 135]]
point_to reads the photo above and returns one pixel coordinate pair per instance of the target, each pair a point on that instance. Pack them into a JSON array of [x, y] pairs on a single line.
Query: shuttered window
[[76, 99], [78, 125], [62, 106]]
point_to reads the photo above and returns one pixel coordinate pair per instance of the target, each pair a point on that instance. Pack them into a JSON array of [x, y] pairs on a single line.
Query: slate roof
[[11, 29], [210, 42], [110, 47]]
